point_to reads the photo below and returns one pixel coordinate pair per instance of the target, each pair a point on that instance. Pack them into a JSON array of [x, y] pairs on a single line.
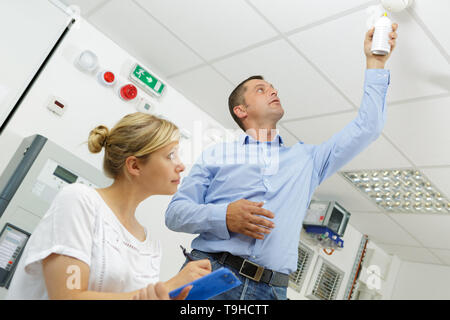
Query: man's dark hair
[[237, 98]]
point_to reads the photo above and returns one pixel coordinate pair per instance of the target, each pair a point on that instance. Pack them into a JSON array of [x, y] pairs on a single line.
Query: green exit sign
[[146, 80]]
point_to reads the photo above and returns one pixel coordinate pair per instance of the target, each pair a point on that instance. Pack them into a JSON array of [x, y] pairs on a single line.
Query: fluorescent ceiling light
[[399, 190]]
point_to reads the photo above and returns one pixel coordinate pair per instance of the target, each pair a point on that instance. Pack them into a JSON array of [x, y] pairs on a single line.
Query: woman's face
[[160, 174]]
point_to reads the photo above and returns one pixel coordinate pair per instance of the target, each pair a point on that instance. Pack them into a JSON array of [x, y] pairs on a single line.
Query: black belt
[[251, 270]]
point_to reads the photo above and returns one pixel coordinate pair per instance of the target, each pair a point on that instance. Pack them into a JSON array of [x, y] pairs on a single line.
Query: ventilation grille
[[304, 259], [327, 283]]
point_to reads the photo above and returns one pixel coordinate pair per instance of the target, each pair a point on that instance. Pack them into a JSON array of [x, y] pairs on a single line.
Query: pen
[[187, 255]]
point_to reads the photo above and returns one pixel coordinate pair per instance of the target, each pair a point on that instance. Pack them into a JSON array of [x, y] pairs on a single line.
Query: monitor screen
[[336, 219], [65, 175]]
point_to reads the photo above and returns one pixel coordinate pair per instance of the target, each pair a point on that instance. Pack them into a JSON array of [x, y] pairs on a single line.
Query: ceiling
[[312, 51]]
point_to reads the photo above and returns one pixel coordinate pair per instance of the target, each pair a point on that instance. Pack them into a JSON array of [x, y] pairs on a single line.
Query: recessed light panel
[[399, 190]]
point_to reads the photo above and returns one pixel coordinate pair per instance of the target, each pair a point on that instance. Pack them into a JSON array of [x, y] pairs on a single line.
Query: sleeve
[[334, 153], [188, 212], [66, 229]]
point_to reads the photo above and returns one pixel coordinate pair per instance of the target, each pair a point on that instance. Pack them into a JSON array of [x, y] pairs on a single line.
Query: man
[[223, 197]]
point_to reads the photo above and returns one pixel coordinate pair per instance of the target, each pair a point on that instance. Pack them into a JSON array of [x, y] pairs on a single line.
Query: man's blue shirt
[[283, 177]]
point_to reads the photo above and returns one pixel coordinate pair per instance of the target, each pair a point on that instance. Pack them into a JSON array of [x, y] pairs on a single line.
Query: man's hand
[[378, 61], [243, 216]]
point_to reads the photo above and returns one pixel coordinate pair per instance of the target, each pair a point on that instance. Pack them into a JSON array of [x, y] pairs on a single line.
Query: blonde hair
[[137, 134]]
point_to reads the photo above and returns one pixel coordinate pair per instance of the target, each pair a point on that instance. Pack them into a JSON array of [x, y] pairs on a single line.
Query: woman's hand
[[192, 271], [159, 291]]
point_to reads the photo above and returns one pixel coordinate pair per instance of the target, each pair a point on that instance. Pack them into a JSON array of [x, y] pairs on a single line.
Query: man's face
[[262, 102]]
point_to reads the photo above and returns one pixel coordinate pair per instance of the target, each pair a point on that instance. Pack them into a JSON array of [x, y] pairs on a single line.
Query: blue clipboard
[[210, 285]]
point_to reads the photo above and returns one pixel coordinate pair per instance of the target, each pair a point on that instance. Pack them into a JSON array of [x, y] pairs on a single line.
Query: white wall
[[418, 281], [90, 104]]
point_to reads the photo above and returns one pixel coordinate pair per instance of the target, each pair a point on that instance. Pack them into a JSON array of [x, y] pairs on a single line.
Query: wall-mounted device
[[328, 214], [12, 242], [56, 105], [146, 81], [106, 78], [128, 92], [87, 61], [28, 185], [143, 105]]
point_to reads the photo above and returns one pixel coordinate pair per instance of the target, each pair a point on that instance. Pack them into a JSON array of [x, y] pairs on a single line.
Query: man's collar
[[244, 138]]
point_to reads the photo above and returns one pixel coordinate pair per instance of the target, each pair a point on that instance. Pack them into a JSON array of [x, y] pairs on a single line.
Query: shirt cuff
[[378, 76], [218, 220]]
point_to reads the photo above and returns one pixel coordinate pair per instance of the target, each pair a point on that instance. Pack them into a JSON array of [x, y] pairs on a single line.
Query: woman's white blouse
[[79, 224]]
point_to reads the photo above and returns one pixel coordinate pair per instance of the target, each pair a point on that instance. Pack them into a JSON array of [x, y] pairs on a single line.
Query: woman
[[89, 244]]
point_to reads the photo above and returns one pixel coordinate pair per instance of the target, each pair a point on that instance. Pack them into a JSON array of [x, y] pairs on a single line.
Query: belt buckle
[[258, 273]]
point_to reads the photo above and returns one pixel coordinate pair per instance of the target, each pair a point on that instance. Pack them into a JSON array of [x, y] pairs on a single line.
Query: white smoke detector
[[396, 5]]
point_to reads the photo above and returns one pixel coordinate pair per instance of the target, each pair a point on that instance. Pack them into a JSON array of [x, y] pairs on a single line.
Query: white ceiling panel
[[381, 229], [443, 255], [287, 15], [380, 154], [431, 230], [208, 90], [302, 91], [341, 57], [85, 6], [421, 130], [338, 189], [440, 178], [435, 15], [211, 28], [411, 254], [143, 37]]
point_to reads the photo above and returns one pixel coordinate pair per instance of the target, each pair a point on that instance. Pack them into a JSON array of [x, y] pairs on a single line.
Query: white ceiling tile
[[338, 189], [435, 15], [143, 37], [381, 229], [412, 254], [421, 130], [444, 255], [287, 14], [302, 91], [85, 6], [212, 28], [378, 155], [209, 91], [339, 54], [432, 230], [440, 178]]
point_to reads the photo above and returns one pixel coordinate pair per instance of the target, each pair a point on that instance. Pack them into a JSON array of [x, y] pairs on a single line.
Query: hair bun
[[97, 138]]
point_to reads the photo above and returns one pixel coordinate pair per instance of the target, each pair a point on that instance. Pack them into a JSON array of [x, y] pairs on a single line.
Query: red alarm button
[[128, 92], [109, 77]]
